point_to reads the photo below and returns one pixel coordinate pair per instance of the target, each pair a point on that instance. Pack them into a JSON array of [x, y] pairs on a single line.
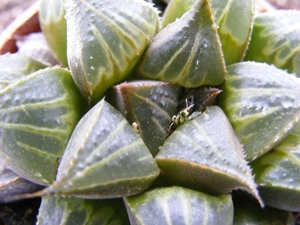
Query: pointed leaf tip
[[187, 52], [195, 157], [148, 104], [105, 158]]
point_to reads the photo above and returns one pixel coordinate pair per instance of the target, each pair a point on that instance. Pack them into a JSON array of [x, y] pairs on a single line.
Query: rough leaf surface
[[149, 105], [276, 40], [37, 116], [187, 52], [205, 154], [15, 66], [105, 158], [179, 206], [277, 173], [105, 39], [262, 104], [58, 210]]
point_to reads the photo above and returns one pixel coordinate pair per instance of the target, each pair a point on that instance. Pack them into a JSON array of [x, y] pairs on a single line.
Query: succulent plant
[[155, 117]]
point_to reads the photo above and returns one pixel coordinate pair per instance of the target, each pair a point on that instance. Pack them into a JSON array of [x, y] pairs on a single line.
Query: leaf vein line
[[192, 55], [105, 46], [34, 129], [131, 25], [108, 158], [111, 23], [154, 105], [37, 105], [175, 55], [158, 125], [108, 139], [38, 151]]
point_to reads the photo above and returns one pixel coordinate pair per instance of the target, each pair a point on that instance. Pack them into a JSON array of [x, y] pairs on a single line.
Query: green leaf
[[204, 153], [276, 40], [179, 206], [233, 17], [149, 105], [235, 21], [262, 104], [37, 116], [187, 52], [105, 39], [58, 210], [53, 24], [175, 9], [105, 158], [277, 173], [16, 66]]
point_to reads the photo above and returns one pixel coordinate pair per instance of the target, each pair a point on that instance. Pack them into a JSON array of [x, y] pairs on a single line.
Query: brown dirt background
[[9, 9]]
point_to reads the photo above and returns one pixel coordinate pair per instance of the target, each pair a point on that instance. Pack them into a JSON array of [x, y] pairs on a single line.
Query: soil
[[20, 213], [10, 9]]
